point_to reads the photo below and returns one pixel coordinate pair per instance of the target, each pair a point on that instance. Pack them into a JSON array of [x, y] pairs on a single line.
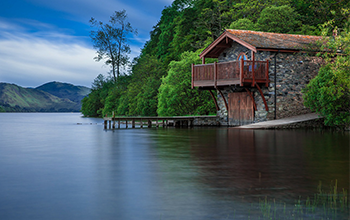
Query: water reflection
[[53, 168], [257, 163]]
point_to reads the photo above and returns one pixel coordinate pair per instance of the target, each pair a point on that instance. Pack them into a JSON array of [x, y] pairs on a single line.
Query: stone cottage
[[259, 76]]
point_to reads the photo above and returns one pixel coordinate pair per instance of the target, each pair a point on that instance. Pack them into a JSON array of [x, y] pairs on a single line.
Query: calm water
[[63, 166]]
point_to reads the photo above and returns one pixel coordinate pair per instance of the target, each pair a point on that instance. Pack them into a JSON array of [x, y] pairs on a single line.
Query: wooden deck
[[243, 73], [281, 122], [175, 121]]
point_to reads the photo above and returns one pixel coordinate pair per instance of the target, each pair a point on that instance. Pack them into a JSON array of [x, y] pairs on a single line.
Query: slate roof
[[255, 40]]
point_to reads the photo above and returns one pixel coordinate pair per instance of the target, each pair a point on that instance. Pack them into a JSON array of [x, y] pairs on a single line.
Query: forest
[[159, 80]]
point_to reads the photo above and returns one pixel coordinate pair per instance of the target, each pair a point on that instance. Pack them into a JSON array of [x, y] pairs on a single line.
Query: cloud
[[142, 15], [29, 60]]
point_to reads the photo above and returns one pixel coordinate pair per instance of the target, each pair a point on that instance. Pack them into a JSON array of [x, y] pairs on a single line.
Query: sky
[[48, 40]]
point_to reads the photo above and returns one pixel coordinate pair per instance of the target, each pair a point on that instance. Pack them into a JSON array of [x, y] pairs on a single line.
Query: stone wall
[[206, 121], [294, 71]]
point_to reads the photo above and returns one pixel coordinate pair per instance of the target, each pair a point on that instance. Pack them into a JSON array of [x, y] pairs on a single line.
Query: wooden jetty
[[175, 121]]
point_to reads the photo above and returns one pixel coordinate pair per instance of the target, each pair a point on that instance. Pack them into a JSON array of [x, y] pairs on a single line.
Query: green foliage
[[110, 40], [329, 92], [243, 24], [175, 94], [278, 19], [93, 104], [159, 81]]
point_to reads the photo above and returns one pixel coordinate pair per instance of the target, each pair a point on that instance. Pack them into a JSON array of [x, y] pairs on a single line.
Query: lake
[[64, 166]]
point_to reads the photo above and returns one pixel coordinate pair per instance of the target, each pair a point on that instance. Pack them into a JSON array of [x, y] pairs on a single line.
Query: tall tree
[[111, 41]]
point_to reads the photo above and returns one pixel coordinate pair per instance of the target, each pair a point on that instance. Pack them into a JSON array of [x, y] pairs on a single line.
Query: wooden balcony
[[242, 72]]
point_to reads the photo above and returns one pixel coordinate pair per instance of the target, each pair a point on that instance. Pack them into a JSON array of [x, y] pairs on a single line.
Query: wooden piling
[[133, 123]]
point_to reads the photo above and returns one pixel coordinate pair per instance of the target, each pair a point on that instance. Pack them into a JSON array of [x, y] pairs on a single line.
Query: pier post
[[109, 124], [113, 118], [105, 124], [149, 123], [133, 123], [126, 123], [166, 123], [141, 124], [118, 123], [157, 123]]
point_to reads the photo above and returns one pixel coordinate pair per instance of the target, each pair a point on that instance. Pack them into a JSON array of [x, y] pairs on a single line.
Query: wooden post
[[105, 124], [109, 124], [241, 71], [267, 73], [113, 118], [118, 123], [253, 69], [166, 123], [126, 123], [215, 74], [157, 123], [141, 124], [192, 68], [133, 123], [149, 123]]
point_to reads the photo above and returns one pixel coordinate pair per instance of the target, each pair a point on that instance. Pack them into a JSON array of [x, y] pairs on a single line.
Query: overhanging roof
[[255, 40]]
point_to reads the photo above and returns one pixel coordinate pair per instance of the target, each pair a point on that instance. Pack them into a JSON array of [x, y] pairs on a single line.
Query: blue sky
[[43, 40]]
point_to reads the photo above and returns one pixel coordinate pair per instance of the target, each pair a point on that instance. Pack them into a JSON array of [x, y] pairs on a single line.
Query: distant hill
[[65, 90], [58, 97]]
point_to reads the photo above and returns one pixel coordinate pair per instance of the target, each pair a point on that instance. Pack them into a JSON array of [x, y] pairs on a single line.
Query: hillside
[[14, 98], [65, 90]]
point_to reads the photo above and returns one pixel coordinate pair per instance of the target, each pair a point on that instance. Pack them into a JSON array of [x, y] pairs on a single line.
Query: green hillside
[[65, 90], [14, 98]]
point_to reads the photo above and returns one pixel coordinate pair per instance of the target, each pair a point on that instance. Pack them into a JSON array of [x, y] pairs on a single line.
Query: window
[[242, 56]]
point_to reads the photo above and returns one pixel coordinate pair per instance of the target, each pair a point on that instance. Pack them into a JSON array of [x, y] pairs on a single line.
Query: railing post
[[215, 74], [192, 68], [241, 71], [267, 73], [253, 69]]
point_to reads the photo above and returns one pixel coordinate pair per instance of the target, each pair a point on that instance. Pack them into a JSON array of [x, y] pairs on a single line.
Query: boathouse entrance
[[241, 109]]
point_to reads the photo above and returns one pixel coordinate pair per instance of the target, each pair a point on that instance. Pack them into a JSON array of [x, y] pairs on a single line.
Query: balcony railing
[[243, 72]]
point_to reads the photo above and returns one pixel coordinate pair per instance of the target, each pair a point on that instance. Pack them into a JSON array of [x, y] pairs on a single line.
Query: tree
[[243, 24], [175, 94], [329, 92], [110, 40], [278, 19]]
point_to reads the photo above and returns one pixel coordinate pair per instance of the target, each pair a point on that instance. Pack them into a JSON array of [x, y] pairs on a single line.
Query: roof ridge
[[272, 33]]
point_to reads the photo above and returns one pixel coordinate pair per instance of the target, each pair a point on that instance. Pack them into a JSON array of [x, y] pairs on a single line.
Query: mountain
[[14, 98], [65, 90]]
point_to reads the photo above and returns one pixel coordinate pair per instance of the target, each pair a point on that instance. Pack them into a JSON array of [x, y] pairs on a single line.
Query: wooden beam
[[263, 97], [223, 97], [252, 97], [215, 101]]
